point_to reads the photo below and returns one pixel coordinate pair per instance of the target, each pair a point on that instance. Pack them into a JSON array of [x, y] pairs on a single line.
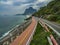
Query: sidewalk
[[23, 38]]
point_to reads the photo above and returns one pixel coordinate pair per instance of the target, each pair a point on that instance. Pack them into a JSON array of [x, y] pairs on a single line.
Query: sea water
[[8, 22]]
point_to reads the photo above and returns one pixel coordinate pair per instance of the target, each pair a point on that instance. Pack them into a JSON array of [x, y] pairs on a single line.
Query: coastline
[[5, 34], [8, 23]]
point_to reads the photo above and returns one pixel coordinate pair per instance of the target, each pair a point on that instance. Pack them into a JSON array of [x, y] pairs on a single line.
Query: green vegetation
[[50, 12], [55, 35], [40, 36]]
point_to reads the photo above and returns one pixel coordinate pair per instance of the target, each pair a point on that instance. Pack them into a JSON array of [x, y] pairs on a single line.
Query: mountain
[[52, 8], [50, 12], [30, 10]]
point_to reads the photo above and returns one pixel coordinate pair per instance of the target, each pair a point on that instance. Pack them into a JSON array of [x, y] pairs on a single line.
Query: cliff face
[[30, 10]]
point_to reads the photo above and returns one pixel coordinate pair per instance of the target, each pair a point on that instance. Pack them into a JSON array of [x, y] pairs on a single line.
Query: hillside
[[50, 12], [30, 10]]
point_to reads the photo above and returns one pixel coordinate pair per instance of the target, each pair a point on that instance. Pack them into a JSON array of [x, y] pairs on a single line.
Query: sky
[[12, 7]]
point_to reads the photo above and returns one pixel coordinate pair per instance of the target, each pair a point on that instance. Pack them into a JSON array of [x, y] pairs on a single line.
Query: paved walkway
[[22, 39]]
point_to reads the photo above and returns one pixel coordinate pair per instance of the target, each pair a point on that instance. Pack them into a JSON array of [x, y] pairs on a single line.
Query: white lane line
[[53, 30], [51, 23]]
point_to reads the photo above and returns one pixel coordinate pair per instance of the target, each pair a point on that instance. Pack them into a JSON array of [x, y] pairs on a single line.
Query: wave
[[5, 34]]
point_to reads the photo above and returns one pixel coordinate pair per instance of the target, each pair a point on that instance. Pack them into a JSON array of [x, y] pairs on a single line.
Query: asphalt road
[[54, 26]]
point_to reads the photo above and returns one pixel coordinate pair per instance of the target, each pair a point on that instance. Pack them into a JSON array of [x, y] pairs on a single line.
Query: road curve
[[55, 27]]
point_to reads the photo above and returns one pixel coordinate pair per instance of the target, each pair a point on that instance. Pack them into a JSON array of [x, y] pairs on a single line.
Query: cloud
[[13, 9], [42, 0], [6, 2], [19, 6]]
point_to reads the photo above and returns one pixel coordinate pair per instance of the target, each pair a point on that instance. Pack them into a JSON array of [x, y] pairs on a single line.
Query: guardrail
[[49, 40], [54, 30], [51, 36], [14, 33]]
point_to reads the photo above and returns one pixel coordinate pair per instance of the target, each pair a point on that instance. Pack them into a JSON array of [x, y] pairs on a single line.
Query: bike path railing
[[14, 33]]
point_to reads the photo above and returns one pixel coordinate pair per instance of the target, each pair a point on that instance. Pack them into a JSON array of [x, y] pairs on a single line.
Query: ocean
[[8, 22]]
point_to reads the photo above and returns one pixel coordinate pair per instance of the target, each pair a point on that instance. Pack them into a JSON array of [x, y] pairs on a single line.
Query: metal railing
[[51, 36], [14, 33]]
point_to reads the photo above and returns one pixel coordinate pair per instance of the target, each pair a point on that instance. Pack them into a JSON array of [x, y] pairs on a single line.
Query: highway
[[55, 27]]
